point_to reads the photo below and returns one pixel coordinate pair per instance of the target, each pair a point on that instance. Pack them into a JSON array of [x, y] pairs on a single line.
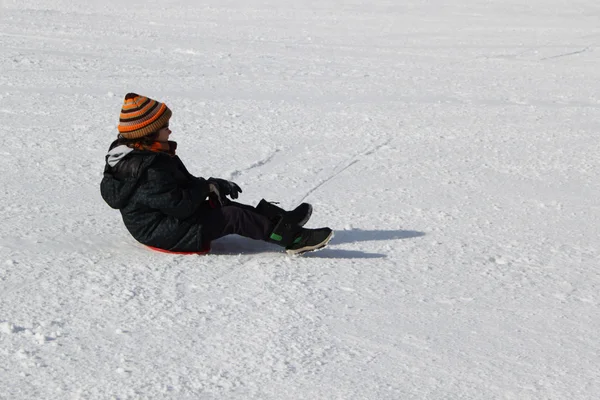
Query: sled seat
[[200, 252]]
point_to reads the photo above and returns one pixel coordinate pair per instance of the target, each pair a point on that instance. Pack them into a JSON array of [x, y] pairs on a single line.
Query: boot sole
[[307, 217], [306, 249]]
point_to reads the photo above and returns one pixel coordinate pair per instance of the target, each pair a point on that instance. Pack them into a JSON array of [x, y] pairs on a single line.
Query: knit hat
[[141, 116]]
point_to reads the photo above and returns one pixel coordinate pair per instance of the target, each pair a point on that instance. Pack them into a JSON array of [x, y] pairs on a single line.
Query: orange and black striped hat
[[141, 116]]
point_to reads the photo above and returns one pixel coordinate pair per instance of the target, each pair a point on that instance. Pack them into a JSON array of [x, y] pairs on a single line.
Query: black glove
[[223, 188]]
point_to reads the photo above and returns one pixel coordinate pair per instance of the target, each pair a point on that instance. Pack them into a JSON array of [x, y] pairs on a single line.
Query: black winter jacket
[[159, 200]]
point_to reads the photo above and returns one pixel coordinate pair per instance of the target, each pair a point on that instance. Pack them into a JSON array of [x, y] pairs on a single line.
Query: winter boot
[[309, 240], [299, 216], [298, 240]]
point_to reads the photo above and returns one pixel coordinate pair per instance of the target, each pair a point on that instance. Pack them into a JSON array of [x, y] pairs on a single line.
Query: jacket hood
[[117, 154], [124, 169]]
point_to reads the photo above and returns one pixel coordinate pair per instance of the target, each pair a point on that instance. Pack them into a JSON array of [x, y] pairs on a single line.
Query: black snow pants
[[234, 218]]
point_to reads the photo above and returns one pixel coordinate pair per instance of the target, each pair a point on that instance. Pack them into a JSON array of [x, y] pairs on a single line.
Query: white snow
[[453, 146]]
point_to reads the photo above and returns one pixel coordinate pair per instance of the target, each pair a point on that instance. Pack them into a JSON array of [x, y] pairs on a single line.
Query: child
[[165, 207]]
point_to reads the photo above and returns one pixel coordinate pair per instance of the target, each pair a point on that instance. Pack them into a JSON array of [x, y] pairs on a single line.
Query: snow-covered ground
[[453, 147]]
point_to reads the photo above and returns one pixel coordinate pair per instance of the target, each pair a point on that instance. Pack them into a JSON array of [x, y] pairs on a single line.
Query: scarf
[[161, 147]]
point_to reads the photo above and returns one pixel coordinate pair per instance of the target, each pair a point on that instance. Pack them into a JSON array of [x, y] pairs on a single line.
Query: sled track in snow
[[343, 166], [259, 163]]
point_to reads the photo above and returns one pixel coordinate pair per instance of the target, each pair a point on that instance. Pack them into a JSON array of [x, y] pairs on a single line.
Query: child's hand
[[225, 188]]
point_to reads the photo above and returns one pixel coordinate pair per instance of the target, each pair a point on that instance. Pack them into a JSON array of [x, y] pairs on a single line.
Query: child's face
[[163, 134]]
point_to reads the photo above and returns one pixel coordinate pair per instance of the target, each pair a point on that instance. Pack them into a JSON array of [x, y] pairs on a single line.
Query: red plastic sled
[[201, 252]]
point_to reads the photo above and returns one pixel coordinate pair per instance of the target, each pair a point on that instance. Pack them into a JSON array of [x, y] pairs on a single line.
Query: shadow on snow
[[234, 245], [359, 235]]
